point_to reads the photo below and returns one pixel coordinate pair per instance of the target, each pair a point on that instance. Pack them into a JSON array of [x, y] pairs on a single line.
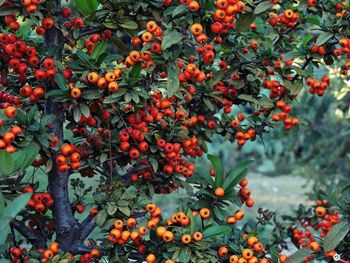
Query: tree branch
[[86, 227], [36, 239]]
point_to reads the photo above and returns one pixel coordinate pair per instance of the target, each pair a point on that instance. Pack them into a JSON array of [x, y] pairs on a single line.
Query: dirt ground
[[278, 193]]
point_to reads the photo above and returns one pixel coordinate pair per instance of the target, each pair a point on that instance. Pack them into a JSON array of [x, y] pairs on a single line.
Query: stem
[[306, 63]]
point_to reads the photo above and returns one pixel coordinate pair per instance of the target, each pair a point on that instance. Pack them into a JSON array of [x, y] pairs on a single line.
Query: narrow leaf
[[214, 231], [336, 235], [236, 174], [299, 256]]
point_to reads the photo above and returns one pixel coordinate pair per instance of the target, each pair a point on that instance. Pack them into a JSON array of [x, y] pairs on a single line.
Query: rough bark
[[66, 226]]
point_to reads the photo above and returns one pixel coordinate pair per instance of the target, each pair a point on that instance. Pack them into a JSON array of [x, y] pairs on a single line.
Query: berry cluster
[[288, 18], [244, 193], [276, 88], [318, 87], [34, 94], [70, 158], [248, 255], [39, 201], [288, 121]]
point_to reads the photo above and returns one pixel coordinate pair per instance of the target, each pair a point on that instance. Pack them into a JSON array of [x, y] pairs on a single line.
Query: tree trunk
[[66, 226]]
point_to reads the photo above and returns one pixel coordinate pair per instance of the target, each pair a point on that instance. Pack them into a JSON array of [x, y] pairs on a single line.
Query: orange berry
[[219, 192]]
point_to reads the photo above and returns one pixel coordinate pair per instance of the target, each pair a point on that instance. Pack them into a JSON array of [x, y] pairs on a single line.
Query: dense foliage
[[126, 94]]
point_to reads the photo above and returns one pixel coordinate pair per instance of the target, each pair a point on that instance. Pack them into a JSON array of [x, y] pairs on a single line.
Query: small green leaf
[[244, 21], [214, 231], [173, 82], [21, 117], [110, 25], [84, 109], [249, 98], [216, 78], [236, 174], [85, 58], [180, 9], [336, 235], [205, 175], [129, 25], [2, 204], [125, 210], [291, 55], [323, 38], [135, 73], [6, 163], [61, 82], [274, 254], [31, 154], [171, 38], [111, 208], [99, 49], [86, 7], [300, 255], [101, 218], [263, 6], [219, 169], [77, 115]]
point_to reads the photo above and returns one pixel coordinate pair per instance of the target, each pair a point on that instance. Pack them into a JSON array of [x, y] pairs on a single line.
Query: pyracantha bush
[[128, 94]]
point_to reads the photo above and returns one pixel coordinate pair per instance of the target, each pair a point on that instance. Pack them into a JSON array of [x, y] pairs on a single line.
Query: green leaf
[[84, 109], [249, 98], [180, 9], [299, 256], [208, 104], [274, 254], [101, 218], [61, 82], [85, 58], [236, 174], [129, 25], [99, 49], [291, 55], [21, 117], [135, 73], [77, 115], [171, 38], [10, 211], [111, 208], [2, 204], [110, 25], [86, 7], [336, 235], [4, 11], [173, 82], [190, 215], [18, 158], [263, 6], [197, 223], [125, 210], [323, 38], [31, 154], [244, 21], [6, 163], [216, 78], [205, 175], [214, 231], [219, 169]]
